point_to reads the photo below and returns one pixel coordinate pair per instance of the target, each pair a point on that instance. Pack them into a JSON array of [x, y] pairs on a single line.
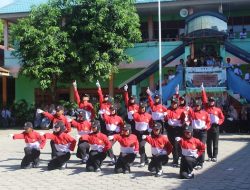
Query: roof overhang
[[4, 72]]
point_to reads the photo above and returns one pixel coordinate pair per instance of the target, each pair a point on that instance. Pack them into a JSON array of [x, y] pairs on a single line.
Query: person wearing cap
[[83, 127], [174, 127], [103, 100], [158, 110], [216, 119], [34, 142], [131, 106], [191, 148], [143, 126], [160, 148], [99, 145], [129, 148], [201, 124], [114, 123], [58, 116], [84, 103], [64, 143]]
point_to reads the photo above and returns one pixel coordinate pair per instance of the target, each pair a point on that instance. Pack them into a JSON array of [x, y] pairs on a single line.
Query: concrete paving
[[232, 171]]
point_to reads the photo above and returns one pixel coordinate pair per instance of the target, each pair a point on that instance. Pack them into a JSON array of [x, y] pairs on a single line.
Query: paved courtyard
[[232, 171]]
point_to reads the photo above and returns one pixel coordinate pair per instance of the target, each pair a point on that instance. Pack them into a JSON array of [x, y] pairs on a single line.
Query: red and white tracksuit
[[216, 119], [200, 119], [83, 127], [63, 142], [104, 106], [34, 142], [143, 121], [160, 148], [97, 141], [54, 118], [158, 110], [131, 108], [160, 145], [33, 139], [85, 105], [191, 150], [129, 144], [113, 123]]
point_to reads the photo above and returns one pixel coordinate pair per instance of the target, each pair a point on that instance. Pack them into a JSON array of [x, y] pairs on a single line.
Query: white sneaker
[[142, 164], [159, 173]]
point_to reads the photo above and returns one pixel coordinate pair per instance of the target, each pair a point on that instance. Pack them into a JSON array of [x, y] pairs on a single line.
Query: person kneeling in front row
[[160, 147], [191, 149], [99, 145]]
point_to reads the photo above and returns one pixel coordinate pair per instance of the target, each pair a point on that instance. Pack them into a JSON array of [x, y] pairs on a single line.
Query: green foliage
[[68, 39], [41, 45], [68, 105], [23, 112], [100, 31], [1, 31]]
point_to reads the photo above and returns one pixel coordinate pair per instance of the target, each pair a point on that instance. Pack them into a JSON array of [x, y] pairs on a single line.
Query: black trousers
[[53, 149], [95, 160], [59, 159], [155, 164], [82, 149], [132, 123], [172, 133], [31, 157], [142, 143], [212, 141], [202, 136], [123, 162], [187, 164]]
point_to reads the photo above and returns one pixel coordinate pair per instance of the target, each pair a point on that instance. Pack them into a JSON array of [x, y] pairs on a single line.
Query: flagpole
[[160, 53]]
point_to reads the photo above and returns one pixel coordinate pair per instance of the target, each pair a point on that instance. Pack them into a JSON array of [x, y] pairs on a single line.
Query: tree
[[41, 46], [1, 31], [65, 39], [100, 31]]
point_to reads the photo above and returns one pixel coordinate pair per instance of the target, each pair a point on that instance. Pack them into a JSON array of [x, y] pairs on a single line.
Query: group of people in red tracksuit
[[188, 130]]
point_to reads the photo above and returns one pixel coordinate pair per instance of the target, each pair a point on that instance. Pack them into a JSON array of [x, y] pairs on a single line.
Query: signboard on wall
[[209, 76]]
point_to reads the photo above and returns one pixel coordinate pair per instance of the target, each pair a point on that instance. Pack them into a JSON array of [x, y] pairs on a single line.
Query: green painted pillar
[[223, 52]]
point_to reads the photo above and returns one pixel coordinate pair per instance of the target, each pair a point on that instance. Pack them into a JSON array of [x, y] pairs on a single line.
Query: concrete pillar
[[150, 28], [111, 85], [134, 90], [187, 52], [220, 9], [6, 35], [4, 90]]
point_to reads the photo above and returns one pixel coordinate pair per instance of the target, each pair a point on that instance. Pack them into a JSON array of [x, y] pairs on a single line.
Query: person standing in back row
[[216, 119]]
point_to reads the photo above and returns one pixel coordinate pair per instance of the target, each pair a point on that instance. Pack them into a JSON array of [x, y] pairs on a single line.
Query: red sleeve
[[75, 124], [117, 137], [149, 139], [77, 97], [121, 122], [72, 142], [126, 99], [204, 97], [99, 92], [208, 122], [85, 137], [136, 144], [221, 116], [150, 101], [68, 126], [168, 146], [42, 140], [200, 146], [48, 115], [18, 136], [107, 143], [49, 136]]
